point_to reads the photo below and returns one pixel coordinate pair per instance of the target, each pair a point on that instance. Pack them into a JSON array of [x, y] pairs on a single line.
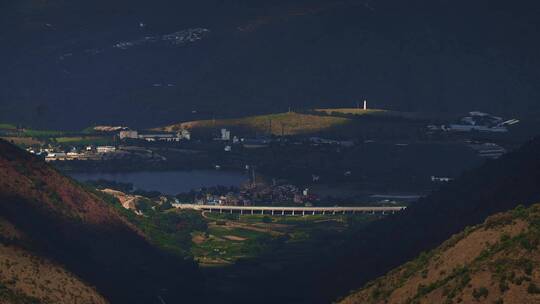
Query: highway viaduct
[[271, 210]]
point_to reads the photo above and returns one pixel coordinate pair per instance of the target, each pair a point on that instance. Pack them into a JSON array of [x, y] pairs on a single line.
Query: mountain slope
[[74, 228], [495, 262]]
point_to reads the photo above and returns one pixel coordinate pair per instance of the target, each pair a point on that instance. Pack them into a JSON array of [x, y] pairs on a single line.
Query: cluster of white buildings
[[88, 153], [155, 137]]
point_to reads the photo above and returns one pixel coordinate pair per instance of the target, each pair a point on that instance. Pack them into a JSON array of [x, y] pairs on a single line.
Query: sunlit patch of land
[[290, 123], [7, 126], [355, 111], [84, 140]]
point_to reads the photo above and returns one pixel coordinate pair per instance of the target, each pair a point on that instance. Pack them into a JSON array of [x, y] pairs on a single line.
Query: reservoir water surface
[[169, 182]]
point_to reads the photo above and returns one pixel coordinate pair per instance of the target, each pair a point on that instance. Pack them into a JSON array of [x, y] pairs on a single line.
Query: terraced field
[[230, 238]]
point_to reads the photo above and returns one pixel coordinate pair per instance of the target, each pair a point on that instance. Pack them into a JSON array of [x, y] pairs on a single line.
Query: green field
[[222, 245], [84, 140], [29, 137], [231, 237], [42, 133], [6, 126]]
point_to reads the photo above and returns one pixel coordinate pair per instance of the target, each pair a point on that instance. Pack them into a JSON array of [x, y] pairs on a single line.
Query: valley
[[290, 253], [330, 151], [263, 152]]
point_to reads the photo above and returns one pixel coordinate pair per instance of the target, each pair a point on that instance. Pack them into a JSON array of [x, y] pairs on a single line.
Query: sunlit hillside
[[284, 123], [495, 262]]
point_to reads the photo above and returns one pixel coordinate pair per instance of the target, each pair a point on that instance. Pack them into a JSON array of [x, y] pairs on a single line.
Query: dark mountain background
[[60, 68]]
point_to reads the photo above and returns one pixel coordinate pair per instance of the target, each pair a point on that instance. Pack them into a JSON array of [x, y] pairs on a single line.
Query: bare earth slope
[[68, 225], [495, 262]]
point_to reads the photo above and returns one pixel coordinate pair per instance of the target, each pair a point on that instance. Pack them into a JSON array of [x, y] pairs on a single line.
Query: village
[[255, 194], [132, 144], [283, 168], [103, 143]]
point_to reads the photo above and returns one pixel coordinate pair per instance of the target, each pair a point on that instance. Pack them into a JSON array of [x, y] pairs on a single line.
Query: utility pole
[[253, 176]]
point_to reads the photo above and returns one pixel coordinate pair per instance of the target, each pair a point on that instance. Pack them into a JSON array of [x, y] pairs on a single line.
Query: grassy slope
[[7, 126], [495, 262], [290, 123], [85, 140]]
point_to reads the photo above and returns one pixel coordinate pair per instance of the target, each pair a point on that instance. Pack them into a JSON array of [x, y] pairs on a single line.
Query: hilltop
[[336, 123], [290, 123], [353, 111], [494, 262], [56, 225]]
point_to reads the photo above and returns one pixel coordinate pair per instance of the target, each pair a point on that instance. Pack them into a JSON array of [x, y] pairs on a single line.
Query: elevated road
[[271, 210]]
